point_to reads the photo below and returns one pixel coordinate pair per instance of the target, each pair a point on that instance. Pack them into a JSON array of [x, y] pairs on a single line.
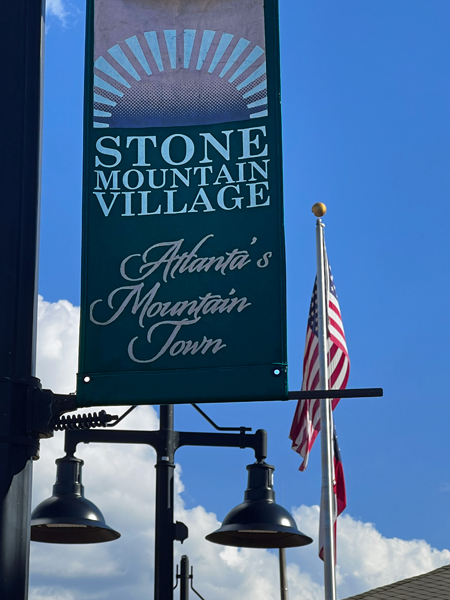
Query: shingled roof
[[434, 585]]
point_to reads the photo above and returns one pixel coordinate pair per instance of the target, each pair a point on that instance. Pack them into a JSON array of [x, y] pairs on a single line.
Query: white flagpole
[[325, 419]]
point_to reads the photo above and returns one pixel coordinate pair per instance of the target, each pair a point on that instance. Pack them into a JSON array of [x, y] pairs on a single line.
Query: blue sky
[[366, 130]]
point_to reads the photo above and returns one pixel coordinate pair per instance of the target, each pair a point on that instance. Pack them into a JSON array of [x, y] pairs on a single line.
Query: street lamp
[[259, 522], [67, 517]]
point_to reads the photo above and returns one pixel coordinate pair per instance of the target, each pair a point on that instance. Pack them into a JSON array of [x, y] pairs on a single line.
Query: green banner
[[183, 267]]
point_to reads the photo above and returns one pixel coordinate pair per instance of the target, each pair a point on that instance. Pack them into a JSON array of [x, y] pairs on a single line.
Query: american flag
[[306, 424]]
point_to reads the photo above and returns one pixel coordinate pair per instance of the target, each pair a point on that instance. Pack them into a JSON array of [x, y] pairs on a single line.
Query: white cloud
[[121, 481], [57, 9], [241, 573], [57, 345], [48, 593], [62, 10], [366, 559]]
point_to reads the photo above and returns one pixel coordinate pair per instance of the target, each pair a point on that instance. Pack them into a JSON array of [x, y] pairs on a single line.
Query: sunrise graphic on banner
[[181, 73]]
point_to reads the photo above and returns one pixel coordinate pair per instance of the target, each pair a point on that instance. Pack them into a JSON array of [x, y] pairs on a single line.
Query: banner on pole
[[183, 268]]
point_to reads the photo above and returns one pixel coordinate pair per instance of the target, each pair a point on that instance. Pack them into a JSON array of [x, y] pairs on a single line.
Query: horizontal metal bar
[[349, 393], [110, 436], [159, 439]]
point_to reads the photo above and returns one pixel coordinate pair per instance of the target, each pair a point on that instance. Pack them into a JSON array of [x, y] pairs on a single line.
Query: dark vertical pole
[[184, 578], [283, 578], [21, 37], [164, 525]]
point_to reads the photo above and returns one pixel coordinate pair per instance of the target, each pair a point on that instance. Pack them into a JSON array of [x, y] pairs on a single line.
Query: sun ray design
[[189, 37], [256, 103], [101, 113], [238, 50], [223, 45], [259, 88], [103, 65], [119, 55], [103, 85], [251, 78], [171, 43], [207, 39], [251, 58], [135, 47], [152, 41], [262, 113], [140, 92], [101, 100]]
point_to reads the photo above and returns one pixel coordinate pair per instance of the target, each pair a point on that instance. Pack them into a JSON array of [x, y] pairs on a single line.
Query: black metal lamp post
[[21, 28], [257, 523]]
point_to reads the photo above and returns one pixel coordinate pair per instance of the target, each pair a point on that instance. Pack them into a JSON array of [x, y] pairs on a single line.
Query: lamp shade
[[68, 517], [259, 522]]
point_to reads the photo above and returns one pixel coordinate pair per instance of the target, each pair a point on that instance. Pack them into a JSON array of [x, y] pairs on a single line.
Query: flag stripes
[[306, 423]]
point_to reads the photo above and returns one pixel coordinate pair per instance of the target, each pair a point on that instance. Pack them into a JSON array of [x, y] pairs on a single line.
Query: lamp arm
[[257, 441]]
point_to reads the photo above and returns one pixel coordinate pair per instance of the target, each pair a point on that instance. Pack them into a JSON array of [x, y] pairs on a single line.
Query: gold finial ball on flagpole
[[319, 209]]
